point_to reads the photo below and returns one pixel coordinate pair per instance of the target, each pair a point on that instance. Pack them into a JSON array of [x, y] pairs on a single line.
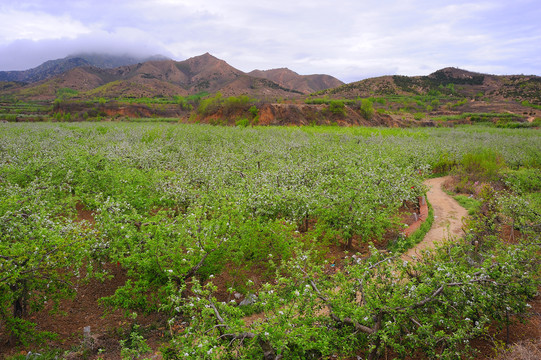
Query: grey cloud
[[25, 54], [345, 38]]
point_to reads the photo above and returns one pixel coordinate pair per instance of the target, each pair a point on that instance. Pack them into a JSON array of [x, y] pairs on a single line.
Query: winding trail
[[447, 223]]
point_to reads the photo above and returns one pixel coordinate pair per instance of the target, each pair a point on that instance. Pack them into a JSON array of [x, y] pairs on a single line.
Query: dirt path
[[448, 216]]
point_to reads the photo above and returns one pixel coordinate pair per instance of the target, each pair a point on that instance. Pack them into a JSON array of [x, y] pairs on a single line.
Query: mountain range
[[107, 76], [91, 76]]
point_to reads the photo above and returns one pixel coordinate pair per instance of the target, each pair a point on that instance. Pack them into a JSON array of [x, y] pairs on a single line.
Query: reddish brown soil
[[84, 214], [421, 216], [520, 332], [84, 310]]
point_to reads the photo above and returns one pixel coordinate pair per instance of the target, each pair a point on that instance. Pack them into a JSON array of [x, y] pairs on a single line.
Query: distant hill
[[448, 81], [304, 83], [106, 61], [158, 78], [52, 68], [46, 70]]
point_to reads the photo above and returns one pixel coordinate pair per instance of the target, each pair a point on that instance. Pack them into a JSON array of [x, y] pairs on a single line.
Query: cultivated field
[[258, 242]]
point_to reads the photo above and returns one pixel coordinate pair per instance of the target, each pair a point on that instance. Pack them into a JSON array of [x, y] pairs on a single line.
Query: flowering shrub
[[437, 305], [41, 253]]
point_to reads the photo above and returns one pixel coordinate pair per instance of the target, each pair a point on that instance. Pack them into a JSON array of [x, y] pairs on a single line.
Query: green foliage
[[482, 165], [237, 103], [367, 109], [50, 354], [381, 100], [229, 106], [66, 93], [405, 83], [317, 101], [209, 105], [25, 331], [507, 124], [444, 163], [523, 180], [152, 120], [37, 251], [8, 117], [135, 346], [447, 303], [485, 118], [177, 205], [522, 211], [469, 203], [337, 107], [242, 122], [527, 103], [254, 111], [457, 104]]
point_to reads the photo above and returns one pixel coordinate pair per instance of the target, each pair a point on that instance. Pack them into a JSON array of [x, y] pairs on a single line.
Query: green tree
[[40, 255], [367, 109]]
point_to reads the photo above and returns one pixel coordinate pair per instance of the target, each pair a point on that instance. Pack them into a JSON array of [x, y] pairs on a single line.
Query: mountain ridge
[[304, 83], [447, 81], [166, 77]]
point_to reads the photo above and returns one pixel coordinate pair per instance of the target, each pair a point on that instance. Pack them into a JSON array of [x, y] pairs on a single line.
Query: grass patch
[[483, 118], [469, 203]]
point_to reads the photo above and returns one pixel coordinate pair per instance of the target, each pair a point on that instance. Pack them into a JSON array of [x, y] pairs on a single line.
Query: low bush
[[523, 180], [229, 106], [482, 165]]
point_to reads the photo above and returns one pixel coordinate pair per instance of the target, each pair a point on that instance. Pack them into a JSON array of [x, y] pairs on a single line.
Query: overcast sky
[[349, 39]]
